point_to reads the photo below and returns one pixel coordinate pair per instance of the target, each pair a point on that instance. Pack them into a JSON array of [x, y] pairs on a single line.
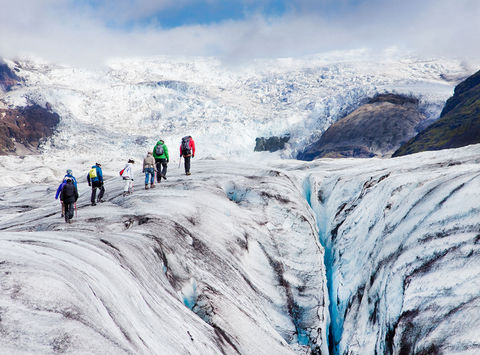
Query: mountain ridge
[[458, 126], [376, 128]]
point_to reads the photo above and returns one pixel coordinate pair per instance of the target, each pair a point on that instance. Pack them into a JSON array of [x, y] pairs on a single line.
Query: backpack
[[186, 145], [92, 173], [159, 149]]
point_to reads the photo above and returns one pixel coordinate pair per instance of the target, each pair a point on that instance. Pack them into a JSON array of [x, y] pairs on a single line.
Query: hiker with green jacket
[[160, 153]]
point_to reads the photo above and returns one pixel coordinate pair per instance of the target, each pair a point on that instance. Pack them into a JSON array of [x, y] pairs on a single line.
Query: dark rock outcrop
[[459, 123], [272, 144], [377, 128], [22, 129], [7, 77]]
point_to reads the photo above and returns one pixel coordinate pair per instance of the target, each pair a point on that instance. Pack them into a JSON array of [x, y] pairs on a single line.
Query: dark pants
[[161, 168], [97, 185], [187, 163], [69, 210]]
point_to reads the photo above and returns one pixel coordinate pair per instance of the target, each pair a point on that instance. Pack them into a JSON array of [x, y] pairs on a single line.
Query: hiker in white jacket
[[127, 176]]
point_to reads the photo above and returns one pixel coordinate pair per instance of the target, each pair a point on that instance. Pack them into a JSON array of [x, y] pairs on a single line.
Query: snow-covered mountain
[[252, 254], [129, 104]]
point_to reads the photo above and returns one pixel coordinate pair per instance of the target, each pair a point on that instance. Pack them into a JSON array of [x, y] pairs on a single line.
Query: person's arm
[[192, 146], [58, 191], [76, 193], [88, 180], [165, 149]]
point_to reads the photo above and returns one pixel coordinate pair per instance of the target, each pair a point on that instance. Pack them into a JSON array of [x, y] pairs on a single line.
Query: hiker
[[95, 180], [70, 175], [160, 153], [187, 150], [127, 175], [60, 187], [69, 196], [149, 169]]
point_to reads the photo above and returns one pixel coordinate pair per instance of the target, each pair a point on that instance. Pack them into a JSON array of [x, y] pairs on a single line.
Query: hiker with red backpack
[[160, 153], [149, 170], [127, 176], [187, 150]]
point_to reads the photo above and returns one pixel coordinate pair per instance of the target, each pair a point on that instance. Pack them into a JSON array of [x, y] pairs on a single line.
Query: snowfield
[[254, 253]]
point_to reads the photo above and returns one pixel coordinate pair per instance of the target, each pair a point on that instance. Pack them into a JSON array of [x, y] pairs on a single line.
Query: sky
[[89, 31]]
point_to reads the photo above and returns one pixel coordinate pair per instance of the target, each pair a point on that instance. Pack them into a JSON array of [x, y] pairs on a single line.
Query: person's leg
[[158, 163], [67, 211], [94, 193], [147, 176], [164, 168], [187, 164], [102, 191], [152, 179], [70, 210]]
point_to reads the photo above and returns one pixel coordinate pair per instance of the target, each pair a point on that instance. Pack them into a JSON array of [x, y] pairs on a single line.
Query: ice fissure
[[401, 240], [334, 324]]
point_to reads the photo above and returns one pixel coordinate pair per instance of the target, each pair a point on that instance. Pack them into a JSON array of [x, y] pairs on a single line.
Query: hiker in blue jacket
[[69, 196], [69, 175], [95, 180]]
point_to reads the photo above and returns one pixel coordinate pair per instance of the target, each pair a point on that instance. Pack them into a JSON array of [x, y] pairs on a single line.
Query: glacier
[[128, 104], [255, 253]]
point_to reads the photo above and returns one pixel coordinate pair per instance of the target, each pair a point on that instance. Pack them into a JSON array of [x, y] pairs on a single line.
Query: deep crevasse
[[403, 238]]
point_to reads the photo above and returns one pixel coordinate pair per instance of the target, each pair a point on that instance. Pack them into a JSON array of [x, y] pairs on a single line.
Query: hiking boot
[[188, 173], [101, 200], [146, 186], [152, 186], [94, 204], [163, 176]]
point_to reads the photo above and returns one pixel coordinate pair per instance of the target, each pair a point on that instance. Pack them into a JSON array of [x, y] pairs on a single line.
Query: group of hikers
[[154, 164]]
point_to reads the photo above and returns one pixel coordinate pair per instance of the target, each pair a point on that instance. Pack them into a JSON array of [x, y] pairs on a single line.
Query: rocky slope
[[377, 128], [458, 126], [7, 77], [22, 129]]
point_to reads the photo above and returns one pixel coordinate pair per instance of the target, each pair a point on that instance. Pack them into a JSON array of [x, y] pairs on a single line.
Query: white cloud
[[54, 30]]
